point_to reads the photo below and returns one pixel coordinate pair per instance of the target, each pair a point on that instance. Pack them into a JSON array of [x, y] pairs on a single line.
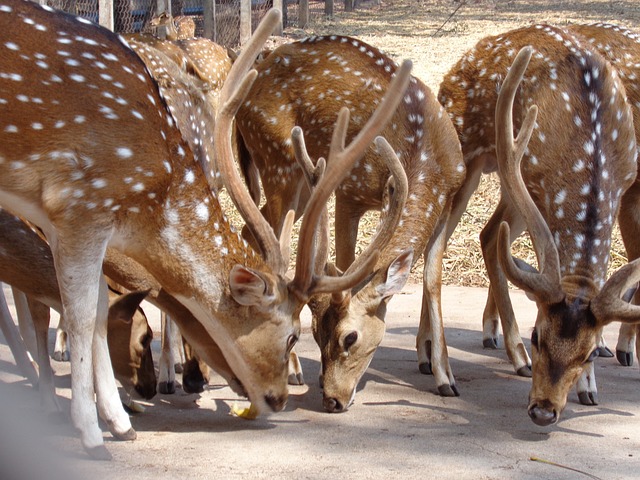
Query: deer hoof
[[447, 390], [296, 379], [588, 398], [178, 368], [99, 453], [167, 388], [61, 356], [605, 352], [126, 436], [624, 358], [491, 343], [524, 371], [425, 368]]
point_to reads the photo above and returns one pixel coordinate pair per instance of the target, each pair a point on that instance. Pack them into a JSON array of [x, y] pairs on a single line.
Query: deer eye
[[534, 338], [350, 339], [593, 356]]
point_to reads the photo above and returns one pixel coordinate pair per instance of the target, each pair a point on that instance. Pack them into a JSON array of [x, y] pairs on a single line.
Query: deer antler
[[341, 160], [509, 152], [233, 92], [396, 203]]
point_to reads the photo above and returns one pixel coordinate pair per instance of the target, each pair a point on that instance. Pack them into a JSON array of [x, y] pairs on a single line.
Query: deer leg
[[516, 350], [346, 231], [195, 374], [629, 221], [14, 341], [295, 370], [491, 317], [470, 185], [61, 349], [40, 317], [430, 342], [109, 403], [167, 374], [626, 342], [25, 322], [81, 298]]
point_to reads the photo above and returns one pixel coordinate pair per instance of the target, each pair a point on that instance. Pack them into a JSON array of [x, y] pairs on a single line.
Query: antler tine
[[608, 305], [509, 154], [341, 162], [233, 92], [313, 174], [396, 203]]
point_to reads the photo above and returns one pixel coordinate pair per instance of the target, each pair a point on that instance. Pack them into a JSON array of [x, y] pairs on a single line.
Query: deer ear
[[250, 287], [525, 267], [124, 307], [397, 274]]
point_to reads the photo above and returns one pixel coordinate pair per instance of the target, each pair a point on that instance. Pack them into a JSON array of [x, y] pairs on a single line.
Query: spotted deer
[[579, 161], [27, 265], [621, 47], [118, 174], [179, 27], [305, 83]]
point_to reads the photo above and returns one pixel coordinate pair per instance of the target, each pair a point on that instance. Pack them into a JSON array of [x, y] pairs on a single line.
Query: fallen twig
[[536, 459], [449, 17]]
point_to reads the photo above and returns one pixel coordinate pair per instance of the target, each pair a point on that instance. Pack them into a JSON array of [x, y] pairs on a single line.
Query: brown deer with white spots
[[26, 264], [621, 47], [90, 154], [305, 83], [179, 27], [579, 161]]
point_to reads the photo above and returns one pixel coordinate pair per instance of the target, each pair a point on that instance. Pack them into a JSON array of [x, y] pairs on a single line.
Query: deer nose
[[275, 403], [542, 416], [332, 405]]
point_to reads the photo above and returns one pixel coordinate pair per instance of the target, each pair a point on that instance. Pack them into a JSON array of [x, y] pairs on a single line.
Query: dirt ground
[[398, 426]]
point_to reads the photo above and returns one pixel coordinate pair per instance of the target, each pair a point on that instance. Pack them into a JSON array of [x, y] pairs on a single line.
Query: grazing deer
[[621, 47], [27, 265], [306, 83], [90, 153], [579, 161]]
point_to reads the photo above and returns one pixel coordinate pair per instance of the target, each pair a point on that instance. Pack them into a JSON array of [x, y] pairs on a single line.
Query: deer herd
[[114, 151]]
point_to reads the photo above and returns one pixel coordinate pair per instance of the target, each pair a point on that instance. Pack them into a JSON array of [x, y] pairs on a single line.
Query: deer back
[[581, 156]]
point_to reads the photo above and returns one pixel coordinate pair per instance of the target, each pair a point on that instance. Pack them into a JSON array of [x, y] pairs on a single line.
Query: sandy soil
[[398, 426]]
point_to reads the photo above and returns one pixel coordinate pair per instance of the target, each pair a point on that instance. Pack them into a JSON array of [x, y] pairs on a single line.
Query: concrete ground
[[398, 427]]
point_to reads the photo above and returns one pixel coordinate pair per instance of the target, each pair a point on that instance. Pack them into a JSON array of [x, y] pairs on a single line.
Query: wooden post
[[245, 21], [303, 13], [328, 8], [105, 13], [210, 19], [280, 5], [348, 5]]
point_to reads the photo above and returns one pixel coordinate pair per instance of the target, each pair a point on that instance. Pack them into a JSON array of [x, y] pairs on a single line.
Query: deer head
[[572, 305]]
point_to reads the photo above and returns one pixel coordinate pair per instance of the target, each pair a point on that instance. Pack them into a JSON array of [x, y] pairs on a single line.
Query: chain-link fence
[[132, 16]]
